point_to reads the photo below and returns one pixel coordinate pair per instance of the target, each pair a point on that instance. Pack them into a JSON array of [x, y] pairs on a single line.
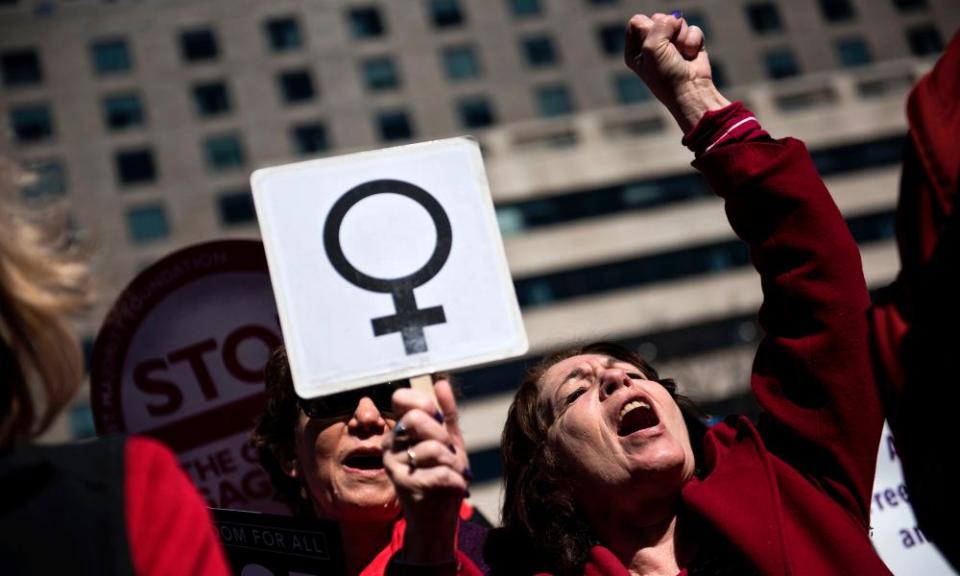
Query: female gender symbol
[[409, 320]]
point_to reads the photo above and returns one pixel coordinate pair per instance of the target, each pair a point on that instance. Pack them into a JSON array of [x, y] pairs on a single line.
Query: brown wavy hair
[[43, 277], [542, 529]]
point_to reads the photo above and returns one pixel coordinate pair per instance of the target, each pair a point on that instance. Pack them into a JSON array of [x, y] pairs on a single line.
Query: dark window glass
[[380, 73], [224, 152], [198, 45], [539, 51], [21, 68], [853, 52], [283, 34], [611, 38], [476, 112], [925, 40], [554, 100], [135, 166], [111, 56], [46, 179], [394, 125], [910, 5], [123, 111], [147, 224], [236, 208], [309, 138], [365, 22], [295, 86], [719, 73], [860, 156], [764, 18], [461, 62], [8, 2], [699, 20], [602, 2], [525, 7], [837, 10], [445, 13], [781, 64], [31, 123], [81, 422], [211, 99], [630, 89]]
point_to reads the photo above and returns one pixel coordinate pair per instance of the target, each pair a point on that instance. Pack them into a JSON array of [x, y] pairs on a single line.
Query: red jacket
[[792, 494]]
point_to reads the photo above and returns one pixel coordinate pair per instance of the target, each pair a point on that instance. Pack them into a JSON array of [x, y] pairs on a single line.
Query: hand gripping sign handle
[[424, 383]]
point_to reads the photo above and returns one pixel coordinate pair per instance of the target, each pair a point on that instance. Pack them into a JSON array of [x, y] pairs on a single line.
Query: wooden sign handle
[[424, 383]]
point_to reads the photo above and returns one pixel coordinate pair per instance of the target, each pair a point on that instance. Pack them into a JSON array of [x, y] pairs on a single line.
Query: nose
[[367, 418], [611, 380]]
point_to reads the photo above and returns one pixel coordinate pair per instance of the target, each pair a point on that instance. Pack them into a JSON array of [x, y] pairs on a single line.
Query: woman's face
[[341, 463], [614, 428]]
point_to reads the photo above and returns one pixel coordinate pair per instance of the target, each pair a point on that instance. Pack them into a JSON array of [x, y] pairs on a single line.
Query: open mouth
[[364, 461], [636, 415]]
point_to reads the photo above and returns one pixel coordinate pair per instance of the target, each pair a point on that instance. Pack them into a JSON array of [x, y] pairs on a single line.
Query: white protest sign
[[387, 265], [180, 358], [896, 536]]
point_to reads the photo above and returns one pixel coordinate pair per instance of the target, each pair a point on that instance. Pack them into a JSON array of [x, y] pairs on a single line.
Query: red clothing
[[914, 319], [463, 566], [168, 523], [792, 494]]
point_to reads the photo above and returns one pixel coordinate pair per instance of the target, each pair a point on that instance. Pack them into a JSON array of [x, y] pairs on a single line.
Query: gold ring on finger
[[411, 459]]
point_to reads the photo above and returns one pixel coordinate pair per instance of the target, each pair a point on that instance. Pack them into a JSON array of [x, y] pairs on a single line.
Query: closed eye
[[572, 397], [636, 376]]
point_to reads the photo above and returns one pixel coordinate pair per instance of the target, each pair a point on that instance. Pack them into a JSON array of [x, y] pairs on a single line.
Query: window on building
[[853, 52], [31, 123], [365, 22], [380, 73], [699, 20], [554, 100], [199, 45], [211, 99], [236, 208], [146, 224], [910, 5], [925, 40], [630, 89], [135, 166], [45, 180], [764, 17], [283, 34], [295, 86], [21, 68], [394, 125], [122, 111], [476, 112], [781, 64], [111, 56], [837, 10], [539, 51], [224, 152], [461, 62], [611, 38], [445, 13], [602, 2], [525, 8], [310, 138], [719, 73]]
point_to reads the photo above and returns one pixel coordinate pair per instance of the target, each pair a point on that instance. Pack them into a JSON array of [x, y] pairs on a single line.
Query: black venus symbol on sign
[[409, 320]]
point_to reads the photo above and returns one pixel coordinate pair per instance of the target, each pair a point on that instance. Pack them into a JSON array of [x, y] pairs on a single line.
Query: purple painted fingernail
[[677, 13], [438, 416], [399, 429], [468, 474]]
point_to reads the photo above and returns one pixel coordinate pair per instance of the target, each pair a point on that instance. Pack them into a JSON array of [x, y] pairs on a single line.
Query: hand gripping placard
[[409, 320]]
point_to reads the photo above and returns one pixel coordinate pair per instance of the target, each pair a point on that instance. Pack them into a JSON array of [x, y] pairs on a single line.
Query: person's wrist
[[695, 100], [431, 541]]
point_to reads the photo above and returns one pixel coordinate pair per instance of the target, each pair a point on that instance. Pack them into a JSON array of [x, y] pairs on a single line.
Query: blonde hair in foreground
[[42, 280]]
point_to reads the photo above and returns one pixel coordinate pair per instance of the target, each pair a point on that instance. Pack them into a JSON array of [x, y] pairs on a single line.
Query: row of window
[[649, 193], [671, 265], [764, 17], [148, 223]]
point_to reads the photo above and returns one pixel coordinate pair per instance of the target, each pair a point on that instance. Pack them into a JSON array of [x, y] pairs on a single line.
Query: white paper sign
[[386, 265], [899, 541]]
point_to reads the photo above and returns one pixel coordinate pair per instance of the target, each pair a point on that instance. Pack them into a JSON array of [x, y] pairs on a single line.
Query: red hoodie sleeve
[[168, 524], [812, 374]]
